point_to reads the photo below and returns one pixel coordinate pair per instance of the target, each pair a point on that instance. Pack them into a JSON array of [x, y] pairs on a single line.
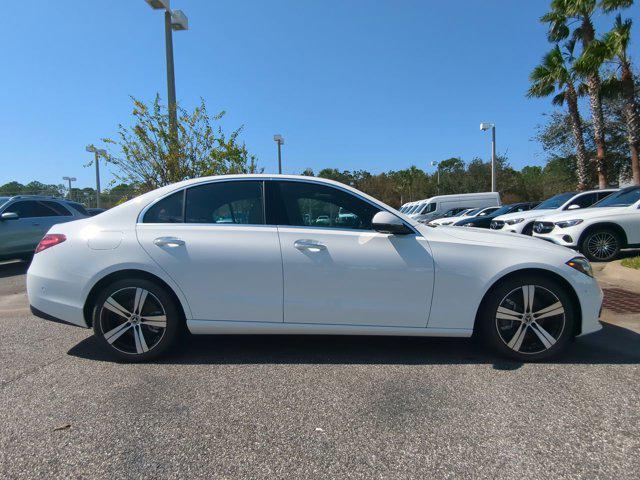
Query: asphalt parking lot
[[310, 407]]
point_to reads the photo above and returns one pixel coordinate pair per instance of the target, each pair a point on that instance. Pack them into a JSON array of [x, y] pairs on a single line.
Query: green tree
[[555, 76], [564, 12], [616, 45], [144, 155]]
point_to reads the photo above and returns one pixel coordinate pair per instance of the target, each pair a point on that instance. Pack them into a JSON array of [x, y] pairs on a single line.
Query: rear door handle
[[168, 242], [310, 245]]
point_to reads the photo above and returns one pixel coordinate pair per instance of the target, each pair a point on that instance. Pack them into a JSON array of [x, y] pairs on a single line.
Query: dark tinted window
[[602, 195], [79, 207], [313, 205], [30, 209], [584, 201], [58, 208], [621, 198], [226, 202], [167, 210], [555, 202]]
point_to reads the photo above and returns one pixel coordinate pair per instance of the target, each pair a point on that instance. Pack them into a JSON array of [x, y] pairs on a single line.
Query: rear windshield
[[555, 202], [623, 198]]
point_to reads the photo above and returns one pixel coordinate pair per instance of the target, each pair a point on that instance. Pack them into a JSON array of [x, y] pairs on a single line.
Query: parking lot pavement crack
[[27, 373]]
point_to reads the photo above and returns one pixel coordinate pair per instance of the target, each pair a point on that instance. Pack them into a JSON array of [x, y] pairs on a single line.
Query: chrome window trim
[[263, 181]]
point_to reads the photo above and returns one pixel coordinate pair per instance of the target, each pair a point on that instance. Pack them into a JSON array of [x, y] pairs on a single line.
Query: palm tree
[[616, 44], [554, 76], [562, 14]]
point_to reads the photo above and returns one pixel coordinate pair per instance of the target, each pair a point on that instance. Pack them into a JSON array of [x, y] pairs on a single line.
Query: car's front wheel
[[601, 245], [528, 318], [136, 320]]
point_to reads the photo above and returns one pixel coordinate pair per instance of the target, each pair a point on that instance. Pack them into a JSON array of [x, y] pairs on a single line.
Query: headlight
[[569, 223], [470, 224], [582, 265], [514, 221], [446, 223]]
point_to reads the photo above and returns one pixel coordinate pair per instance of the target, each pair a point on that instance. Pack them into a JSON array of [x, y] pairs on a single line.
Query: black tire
[[136, 336], [601, 245], [528, 229], [533, 337]]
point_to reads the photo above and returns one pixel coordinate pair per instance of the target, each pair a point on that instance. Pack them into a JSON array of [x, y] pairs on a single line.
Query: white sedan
[[242, 254], [598, 232]]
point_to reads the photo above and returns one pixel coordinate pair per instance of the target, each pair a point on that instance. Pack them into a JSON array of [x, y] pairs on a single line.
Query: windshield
[[623, 198], [555, 202], [428, 208], [487, 211], [473, 211]]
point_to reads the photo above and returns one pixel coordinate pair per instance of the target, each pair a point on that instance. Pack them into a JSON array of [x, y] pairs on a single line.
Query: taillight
[[50, 240]]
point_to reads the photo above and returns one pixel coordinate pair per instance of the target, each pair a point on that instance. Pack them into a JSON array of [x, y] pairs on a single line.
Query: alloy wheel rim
[[601, 245], [133, 320], [530, 319]]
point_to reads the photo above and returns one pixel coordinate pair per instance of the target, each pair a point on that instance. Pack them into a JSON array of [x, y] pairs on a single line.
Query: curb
[[622, 277]]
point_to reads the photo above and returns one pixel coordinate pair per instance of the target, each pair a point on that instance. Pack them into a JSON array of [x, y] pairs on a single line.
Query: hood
[[583, 213], [528, 214], [502, 239]]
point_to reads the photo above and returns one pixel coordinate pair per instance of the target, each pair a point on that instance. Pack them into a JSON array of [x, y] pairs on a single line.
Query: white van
[[441, 205]]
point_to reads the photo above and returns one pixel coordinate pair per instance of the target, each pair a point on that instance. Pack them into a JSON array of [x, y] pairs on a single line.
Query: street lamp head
[[278, 139], [486, 126], [434, 163], [179, 20], [71, 179], [90, 148], [158, 4]]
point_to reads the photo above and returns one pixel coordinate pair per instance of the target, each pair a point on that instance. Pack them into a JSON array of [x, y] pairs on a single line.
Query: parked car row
[[598, 223]]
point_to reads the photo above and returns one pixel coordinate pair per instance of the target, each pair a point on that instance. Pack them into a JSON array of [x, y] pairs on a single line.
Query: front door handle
[[168, 242], [310, 245]]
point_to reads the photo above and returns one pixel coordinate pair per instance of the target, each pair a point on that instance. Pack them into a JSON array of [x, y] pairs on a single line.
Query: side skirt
[[213, 327]]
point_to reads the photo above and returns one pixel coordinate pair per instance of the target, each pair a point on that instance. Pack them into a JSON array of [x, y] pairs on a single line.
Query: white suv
[[522, 222], [599, 232]]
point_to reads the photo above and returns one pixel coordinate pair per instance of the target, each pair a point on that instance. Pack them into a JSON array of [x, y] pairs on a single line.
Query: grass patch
[[631, 262]]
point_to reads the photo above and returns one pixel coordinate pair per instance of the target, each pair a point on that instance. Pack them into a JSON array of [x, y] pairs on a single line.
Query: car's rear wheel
[[528, 318], [136, 320], [601, 245]]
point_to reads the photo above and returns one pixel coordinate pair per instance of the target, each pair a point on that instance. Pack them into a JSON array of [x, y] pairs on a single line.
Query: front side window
[[167, 210], [584, 201], [31, 209], [429, 208], [234, 202], [306, 204]]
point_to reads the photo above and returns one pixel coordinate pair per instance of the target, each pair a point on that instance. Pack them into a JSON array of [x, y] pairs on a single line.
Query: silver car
[[25, 219]]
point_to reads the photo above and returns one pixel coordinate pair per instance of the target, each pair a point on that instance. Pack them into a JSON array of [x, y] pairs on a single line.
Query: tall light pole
[[97, 152], [433, 164], [69, 179], [484, 127], [279, 139], [173, 20]]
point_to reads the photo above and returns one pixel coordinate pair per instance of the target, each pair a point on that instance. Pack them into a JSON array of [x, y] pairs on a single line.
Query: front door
[[213, 241], [337, 270]]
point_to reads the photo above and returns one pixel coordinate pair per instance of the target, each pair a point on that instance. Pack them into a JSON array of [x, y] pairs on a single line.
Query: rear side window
[[79, 207], [31, 209], [58, 208], [234, 202], [167, 210]]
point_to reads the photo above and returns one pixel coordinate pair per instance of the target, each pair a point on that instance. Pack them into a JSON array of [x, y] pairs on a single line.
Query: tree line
[[582, 63]]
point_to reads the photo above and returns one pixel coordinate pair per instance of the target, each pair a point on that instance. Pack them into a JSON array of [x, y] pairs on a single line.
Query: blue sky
[[351, 84]]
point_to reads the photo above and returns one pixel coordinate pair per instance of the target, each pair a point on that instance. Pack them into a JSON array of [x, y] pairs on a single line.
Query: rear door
[[340, 271], [213, 241]]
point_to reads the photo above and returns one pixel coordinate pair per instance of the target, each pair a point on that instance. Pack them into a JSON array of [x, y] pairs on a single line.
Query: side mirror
[[573, 206], [9, 216], [385, 222]]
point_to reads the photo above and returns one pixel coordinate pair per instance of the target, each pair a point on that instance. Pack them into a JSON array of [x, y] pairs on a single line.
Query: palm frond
[[592, 58], [559, 99], [611, 87], [611, 5]]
